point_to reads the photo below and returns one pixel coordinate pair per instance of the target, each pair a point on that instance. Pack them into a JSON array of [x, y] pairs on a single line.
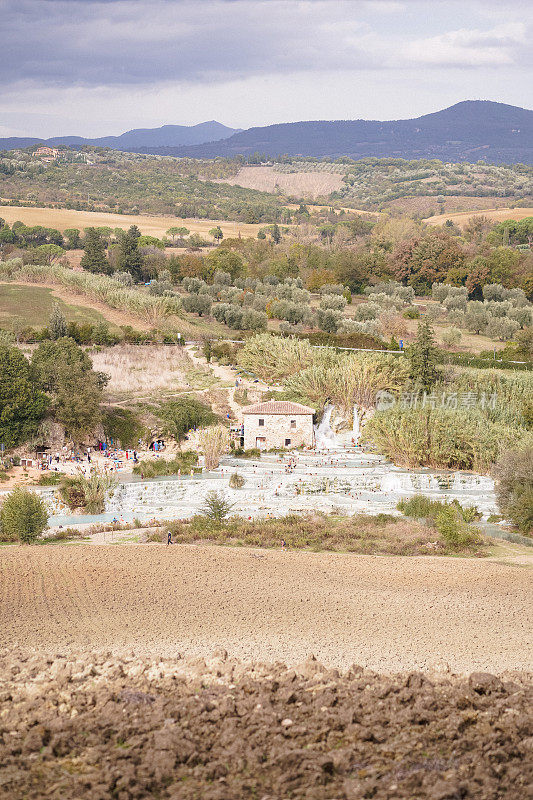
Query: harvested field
[[495, 214], [63, 218], [386, 613], [427, 204], [299, 184], [95, 727], [134, 369]]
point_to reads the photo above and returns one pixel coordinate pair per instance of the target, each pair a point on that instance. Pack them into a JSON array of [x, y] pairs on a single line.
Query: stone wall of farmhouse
[[277, 429]]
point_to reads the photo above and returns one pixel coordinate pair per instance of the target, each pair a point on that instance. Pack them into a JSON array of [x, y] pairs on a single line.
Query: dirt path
[[227, 374], [385, 613]]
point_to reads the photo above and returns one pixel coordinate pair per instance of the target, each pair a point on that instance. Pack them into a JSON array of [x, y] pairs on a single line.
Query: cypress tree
[[94, 258], [57, 323], [423, 357], [129, 258]]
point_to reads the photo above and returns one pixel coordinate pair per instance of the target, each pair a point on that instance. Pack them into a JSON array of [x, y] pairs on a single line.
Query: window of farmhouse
[[293, 424], [261, 423], [287, 442]]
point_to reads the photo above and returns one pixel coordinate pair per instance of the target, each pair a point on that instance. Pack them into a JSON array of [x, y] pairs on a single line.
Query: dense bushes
[[381, 534], [122, 426], [437, 437], [22, 404], [514, 487], [181, 463], [240, 318], [23, 517], [64, 371], [181, 415], [89, 493]]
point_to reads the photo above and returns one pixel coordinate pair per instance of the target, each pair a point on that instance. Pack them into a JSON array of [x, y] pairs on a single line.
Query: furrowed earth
[[95, 727], [115, 679]]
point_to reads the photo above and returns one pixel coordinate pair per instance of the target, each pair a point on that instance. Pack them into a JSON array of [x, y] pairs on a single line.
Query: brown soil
[[95, 727], [387, 613]]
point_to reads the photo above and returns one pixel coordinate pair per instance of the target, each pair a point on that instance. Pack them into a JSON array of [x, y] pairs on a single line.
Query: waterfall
[[324, 435]]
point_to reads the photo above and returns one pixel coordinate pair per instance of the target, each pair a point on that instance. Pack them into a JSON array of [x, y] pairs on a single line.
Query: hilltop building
[[278, 423], [46, 153]]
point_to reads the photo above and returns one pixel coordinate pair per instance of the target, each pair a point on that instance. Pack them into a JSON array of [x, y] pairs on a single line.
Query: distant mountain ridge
[[137, 140], [469, 131]]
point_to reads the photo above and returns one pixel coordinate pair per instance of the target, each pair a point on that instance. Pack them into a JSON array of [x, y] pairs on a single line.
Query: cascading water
[[325, 438]]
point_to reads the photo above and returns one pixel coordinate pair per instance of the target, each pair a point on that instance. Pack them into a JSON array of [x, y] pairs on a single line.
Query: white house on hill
[[278, 423]]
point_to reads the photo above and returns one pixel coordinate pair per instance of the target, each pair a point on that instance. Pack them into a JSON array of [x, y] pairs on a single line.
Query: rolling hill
[[469, 131], [138, 140]]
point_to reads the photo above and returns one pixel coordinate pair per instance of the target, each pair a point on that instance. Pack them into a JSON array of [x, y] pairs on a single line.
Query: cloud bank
[[118, 59]]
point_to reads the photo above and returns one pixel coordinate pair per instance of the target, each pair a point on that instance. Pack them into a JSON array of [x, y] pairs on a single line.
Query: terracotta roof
[[278, 407]]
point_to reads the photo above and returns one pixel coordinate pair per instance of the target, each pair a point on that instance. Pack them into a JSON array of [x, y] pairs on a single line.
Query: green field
[[32, 305]]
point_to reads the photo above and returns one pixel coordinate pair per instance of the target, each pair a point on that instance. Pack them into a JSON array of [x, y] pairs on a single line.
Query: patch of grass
[[361, 533], [420, 506], [32, 305], [50, 478], [65, 535], [183, 462], [252, 452]]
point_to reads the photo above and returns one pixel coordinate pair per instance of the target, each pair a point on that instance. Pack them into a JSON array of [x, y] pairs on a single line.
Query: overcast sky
[[99, 67]]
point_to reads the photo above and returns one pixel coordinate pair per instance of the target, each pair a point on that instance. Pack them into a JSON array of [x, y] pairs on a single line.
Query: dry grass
[[134, 369], [425, 205], [365, 534], [461, 218], [301, 184], [62, 218]]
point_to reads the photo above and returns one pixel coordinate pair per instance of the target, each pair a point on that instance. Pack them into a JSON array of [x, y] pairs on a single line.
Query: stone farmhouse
[[278, 423]]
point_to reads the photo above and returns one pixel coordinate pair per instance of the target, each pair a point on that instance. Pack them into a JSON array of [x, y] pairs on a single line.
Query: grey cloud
[[141, 42]]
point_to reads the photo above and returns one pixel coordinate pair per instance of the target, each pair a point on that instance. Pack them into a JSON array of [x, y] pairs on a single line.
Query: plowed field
[[385, 613]]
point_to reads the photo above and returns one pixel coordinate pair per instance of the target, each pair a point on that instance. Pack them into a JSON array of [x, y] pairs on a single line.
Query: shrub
[[123, 426], [411, 313], [328, 321], [366, 311], [65, 535], [419, 506], [252, 452], [88, 493], [51, 478], [181, 415], [214, 442], [453, 530], [23, 516], [216, 507], [183, 462], [335, 302], [514, 487], [437, 437], [449, 518], [236, 481], [451, 337]]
